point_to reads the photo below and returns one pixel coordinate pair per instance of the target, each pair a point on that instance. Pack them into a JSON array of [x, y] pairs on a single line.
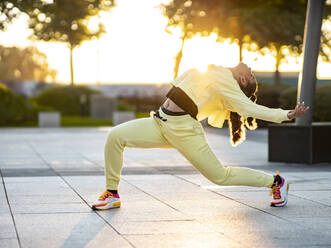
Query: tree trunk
[[278, 58], [179, 57], [240, 44], [71, 66]]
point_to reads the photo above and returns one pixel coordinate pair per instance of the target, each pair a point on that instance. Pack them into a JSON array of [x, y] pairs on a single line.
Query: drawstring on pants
[[157, 114]]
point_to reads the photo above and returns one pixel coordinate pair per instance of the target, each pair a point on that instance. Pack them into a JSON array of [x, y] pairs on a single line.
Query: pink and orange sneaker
[[279, 192], [107, 200]]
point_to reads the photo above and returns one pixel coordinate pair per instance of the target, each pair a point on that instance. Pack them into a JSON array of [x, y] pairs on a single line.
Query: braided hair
[[237, 123]]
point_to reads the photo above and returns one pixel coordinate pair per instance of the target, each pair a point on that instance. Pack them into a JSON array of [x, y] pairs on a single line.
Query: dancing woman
[[219, 94]]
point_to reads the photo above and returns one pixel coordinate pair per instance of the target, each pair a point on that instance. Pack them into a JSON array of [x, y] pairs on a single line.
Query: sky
[[136, 48]]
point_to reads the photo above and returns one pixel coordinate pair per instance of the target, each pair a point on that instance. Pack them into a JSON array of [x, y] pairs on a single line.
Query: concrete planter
[[291, 143], [122, 116], [49, 119]]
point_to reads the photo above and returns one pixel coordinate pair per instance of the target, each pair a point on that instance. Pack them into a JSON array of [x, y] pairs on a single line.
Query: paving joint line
[[182, 212], [323, 204], [291, 222], [225, 196], [11, 211], [66, 182]]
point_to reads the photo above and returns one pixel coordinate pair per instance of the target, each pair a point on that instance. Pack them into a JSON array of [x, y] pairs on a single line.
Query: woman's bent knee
[[114, 137]]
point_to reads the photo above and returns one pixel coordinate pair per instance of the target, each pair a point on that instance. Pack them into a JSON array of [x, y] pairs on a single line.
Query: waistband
[[172, 118], [168, 112]]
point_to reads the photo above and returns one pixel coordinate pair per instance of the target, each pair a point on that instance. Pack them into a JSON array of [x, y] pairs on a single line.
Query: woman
[[219, 94]]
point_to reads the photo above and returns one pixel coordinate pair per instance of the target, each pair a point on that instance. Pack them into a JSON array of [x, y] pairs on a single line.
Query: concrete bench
[[49, 119]]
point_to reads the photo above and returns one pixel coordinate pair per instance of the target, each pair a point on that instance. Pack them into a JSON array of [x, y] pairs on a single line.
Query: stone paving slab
[[7, 227], [66, 230], [210, 240], [53, 175], [9, 243]]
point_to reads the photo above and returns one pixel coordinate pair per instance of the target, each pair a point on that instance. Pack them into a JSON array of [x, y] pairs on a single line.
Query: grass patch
[[77, 121], [24, 124], [142, 114]]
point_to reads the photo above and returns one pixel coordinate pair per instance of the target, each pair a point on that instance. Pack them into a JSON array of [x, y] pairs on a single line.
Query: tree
[[256, 24], [8, 12], [178, 18], [276, 25], [19, 64], [62, 20], [205, 17]]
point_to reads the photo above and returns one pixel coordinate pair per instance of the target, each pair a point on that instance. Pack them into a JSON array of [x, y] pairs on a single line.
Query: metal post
[[306, 86]]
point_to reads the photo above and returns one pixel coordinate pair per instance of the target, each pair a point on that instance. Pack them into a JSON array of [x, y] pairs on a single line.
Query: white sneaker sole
[[285, 199], [107, 206]]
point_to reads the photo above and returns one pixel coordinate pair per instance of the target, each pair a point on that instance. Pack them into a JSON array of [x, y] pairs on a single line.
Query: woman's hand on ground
[[299, 110]]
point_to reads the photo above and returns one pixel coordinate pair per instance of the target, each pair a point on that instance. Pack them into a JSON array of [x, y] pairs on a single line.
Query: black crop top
[[182, 100]]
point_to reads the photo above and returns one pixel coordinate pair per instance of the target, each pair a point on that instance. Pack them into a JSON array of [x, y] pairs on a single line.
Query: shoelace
[[275, 191], [105, 195]]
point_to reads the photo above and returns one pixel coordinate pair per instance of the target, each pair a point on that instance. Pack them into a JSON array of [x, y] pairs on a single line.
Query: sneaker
[[279, 192], [107, 201]]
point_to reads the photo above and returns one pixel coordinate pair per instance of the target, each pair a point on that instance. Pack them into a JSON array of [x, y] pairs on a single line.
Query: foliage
[[123, 105], [268, 94], [18, 64], [65, 99], [257, 25], [8, 13], [34, 108], [322, 101], [143, 103], [60, 20], [13, 109], [64, 21]]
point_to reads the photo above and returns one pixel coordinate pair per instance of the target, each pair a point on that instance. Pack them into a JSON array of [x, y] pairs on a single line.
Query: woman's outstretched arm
[[236, 101]]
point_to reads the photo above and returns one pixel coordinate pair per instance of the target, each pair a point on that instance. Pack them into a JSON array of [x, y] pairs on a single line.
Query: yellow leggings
[[182, 133]]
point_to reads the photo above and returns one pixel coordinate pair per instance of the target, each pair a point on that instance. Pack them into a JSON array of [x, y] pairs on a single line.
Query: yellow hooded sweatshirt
[[216, 93]]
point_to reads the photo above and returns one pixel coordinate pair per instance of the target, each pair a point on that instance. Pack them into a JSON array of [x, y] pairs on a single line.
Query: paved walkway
[[50, 177]]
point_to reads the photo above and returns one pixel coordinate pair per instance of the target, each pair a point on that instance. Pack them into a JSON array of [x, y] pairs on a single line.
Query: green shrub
[[66, 99], [13, 108], [268, 94], [288, 98], [34, 108], [124, 106], [322, 102]]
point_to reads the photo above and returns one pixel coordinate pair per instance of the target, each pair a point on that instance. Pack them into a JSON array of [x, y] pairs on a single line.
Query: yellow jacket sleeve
[[236, 101]]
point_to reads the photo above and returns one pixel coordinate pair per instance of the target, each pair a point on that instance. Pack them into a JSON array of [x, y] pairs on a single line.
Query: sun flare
[[136, 49]]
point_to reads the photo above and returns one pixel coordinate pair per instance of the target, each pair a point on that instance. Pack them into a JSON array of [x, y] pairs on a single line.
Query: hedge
[[322, 101], [13, 108], [268, 95], [66, 99]]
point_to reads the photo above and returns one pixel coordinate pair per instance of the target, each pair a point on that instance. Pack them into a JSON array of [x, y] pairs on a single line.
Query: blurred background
[[102, 62]]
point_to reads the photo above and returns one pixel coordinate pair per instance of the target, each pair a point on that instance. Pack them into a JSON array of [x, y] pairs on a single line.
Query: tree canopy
[[255, 24], [19, 64], [59, 20]]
